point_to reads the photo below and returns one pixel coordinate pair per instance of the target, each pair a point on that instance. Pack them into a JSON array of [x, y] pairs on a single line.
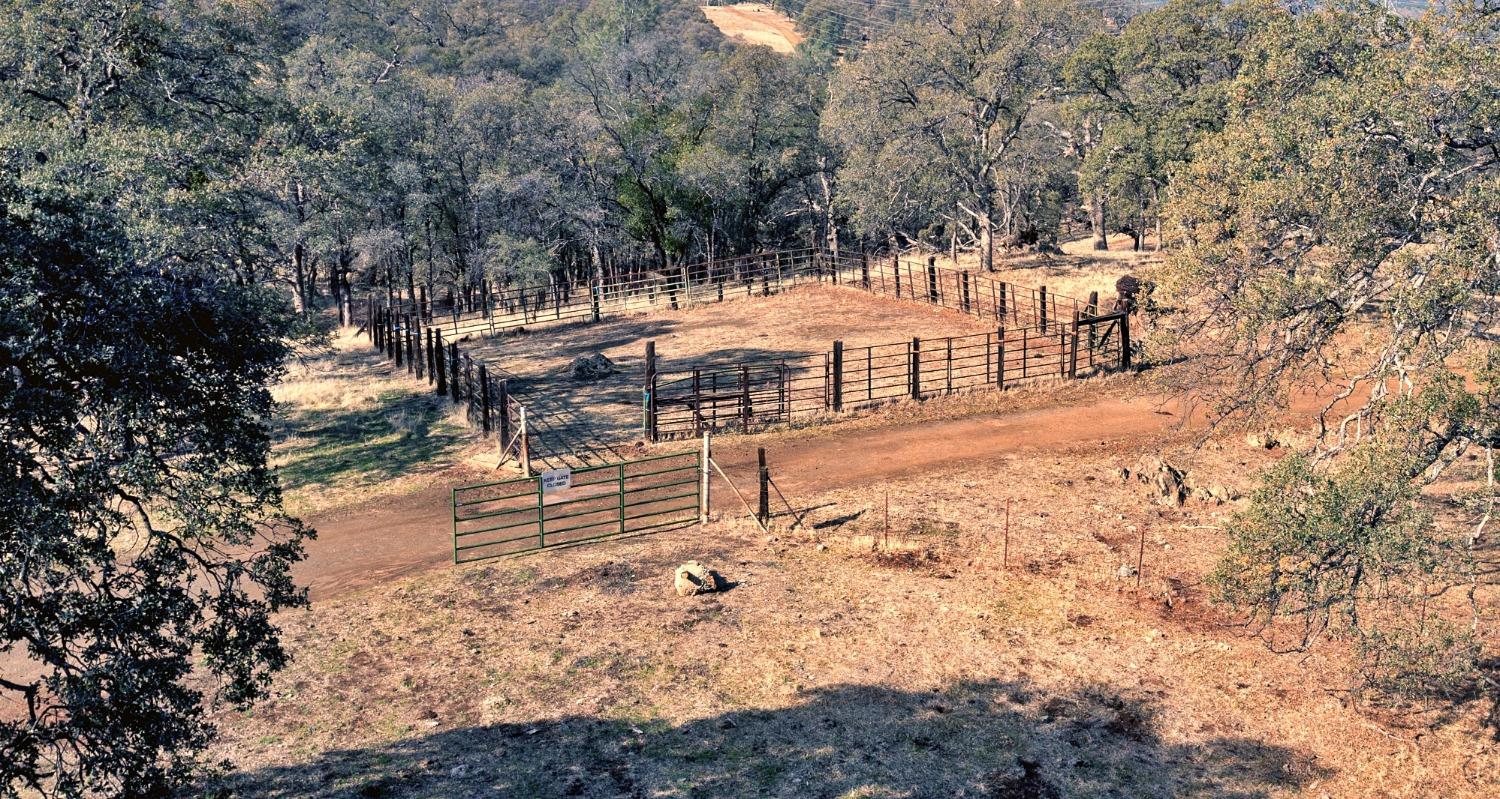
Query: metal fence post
[[1073, 348], [704, 460], [914, 368], [649, 411], [838, 376], [764, 511], [622, 497], [1000, 357], [541, 515]]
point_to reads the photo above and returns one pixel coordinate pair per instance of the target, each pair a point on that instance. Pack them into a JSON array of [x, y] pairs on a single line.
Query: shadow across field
[[978, 739], [396, 435]]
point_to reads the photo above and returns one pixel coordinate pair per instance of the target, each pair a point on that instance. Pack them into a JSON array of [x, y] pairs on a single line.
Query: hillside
[[756, 23]]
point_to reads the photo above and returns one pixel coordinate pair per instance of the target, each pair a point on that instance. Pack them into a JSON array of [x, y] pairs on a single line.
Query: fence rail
[[688, 401], [1038, 334], [490, 311]]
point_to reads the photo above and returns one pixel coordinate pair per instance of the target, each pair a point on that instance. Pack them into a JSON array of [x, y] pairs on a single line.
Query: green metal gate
[[567, 507]]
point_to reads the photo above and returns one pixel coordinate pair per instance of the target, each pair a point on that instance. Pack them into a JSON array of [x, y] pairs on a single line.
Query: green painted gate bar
[[519, 516]]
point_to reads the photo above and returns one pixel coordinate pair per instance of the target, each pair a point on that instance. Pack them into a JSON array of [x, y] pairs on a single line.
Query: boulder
[[694, 578], [594, 366], [1167, 483]]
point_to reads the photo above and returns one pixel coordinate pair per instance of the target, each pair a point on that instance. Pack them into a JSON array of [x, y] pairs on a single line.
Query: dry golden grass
[[791, 326], [1075, 273], [849, 659]]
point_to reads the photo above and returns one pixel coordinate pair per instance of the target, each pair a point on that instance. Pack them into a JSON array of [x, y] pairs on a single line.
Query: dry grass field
[[952, 607], [850, 657], [756, 23], [1079, 270]]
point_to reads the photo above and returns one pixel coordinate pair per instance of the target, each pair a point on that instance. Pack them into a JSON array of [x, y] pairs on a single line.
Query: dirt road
[[409, 534]]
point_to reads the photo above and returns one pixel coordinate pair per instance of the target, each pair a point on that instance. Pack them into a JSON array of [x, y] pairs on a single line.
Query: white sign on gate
[[556, 480]]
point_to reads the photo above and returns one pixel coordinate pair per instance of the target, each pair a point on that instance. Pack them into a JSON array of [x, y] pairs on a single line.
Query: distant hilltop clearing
[[757, 23]]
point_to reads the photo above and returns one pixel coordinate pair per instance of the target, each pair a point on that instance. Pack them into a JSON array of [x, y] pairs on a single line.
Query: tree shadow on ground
[[399, 434], [975, 739]]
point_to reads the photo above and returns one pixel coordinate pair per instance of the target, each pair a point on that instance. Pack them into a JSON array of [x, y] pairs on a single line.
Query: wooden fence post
[[430, 357], [413, 331], [596, 288], [439, 368], [932, 286], [650, 391], [1000, 357], [965, 277], [484, 398], [763, 513], [453, 375], [1125, 341], [838, 376], [864, 271], [914, 368], [1000, 305], [896, 263], [1041, 307]]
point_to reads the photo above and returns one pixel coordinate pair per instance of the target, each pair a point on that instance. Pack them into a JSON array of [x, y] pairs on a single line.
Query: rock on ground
[[694, 578], [1167, 482], [594, 366]]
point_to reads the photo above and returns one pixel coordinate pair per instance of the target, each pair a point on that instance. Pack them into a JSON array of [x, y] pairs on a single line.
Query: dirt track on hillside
[[359, 547]]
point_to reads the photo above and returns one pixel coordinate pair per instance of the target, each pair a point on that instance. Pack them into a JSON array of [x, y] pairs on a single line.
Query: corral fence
[[567, 507], [1038, 334], [754, 395], [488, 310], [489, 403]]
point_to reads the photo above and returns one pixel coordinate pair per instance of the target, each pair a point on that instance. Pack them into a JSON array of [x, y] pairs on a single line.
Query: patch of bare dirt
[[756, 23]]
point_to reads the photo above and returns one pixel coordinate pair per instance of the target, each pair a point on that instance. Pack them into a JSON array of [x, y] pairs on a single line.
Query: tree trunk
[[299, 278], [987, 242], [1096, 220]]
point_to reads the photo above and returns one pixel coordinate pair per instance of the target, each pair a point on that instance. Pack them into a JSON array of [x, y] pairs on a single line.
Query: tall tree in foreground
[[929, 114], [1340, 235], [143, 549]]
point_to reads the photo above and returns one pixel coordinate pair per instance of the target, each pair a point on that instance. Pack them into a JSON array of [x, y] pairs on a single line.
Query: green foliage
[[1152, 90], [931, 118], [143, 546]]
